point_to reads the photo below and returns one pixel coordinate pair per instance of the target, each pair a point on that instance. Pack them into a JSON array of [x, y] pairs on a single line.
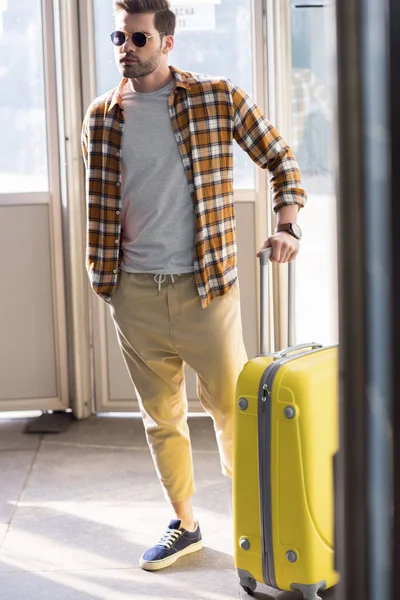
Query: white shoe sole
[[166, 562]]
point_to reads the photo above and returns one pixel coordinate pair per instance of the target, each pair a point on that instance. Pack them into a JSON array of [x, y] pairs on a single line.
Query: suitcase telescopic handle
[[265, 256]]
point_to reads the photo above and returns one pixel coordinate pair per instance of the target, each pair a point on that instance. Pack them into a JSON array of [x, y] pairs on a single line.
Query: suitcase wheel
[[249, 585]]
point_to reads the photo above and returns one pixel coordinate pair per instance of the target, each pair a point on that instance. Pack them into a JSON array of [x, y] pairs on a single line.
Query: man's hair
[[164, 18]]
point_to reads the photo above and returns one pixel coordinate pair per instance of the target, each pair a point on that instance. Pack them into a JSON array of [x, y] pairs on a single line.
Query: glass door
[[33, 346], [312, 131], [301, 90], [213, 37]]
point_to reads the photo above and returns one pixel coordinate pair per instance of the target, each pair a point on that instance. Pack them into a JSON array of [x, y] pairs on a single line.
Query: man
[[161, 240]]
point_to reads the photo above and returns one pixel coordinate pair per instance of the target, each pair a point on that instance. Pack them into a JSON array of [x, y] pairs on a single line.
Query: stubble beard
[[141, 68]]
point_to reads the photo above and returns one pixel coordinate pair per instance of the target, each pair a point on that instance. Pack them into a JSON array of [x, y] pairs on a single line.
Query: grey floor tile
[[119, 585], [3, 531], [202, 434], [108, 431], [104, 431], [12, 436], [14, 468], [79, 473], [93, 503], [125, 584], [86, 504], [39, 541], [88, 507]]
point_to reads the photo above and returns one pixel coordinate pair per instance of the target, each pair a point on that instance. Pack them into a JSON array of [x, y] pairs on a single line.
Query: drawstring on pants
[[160, 279]]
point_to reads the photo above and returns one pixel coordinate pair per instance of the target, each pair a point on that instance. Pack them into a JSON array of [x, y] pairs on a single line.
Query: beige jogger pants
[[159, 330]]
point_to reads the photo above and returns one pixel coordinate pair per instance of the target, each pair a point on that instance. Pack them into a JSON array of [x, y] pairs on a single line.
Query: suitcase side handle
[[265, 256], [283, 353]]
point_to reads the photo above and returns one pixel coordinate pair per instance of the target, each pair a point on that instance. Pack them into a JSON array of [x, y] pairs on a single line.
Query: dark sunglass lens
[[139, 39], [118, 38]]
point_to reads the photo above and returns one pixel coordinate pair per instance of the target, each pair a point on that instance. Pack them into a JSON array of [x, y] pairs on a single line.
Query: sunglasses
[[139, 39]]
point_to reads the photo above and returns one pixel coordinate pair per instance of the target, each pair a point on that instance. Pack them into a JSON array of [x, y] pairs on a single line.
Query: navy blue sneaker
[[175, 542]]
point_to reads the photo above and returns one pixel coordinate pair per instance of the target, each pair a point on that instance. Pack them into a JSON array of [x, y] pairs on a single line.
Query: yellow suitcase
[[286, 435]]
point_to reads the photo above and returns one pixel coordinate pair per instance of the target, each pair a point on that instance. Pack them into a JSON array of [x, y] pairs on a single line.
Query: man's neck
[[153, 82]]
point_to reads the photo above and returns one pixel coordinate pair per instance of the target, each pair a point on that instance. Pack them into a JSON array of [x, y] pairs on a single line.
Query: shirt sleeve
[[84, 139], [262, 142]]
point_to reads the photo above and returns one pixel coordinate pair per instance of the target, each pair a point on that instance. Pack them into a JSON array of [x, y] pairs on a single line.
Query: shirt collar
[[180, 82], [180, 78], [117, 95]]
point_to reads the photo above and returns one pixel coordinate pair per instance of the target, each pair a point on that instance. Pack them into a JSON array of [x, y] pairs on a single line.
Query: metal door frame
[[68, 52], [395, 151], [367, 357], [276, 34]]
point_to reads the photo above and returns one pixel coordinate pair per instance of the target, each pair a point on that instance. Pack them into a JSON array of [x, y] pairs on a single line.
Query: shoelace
[[169, 538], [161, 278]]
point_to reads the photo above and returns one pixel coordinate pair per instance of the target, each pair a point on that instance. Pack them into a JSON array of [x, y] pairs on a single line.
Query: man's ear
[[168, 44]]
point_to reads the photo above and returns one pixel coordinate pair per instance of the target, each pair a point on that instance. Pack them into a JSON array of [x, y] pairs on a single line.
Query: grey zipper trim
[[264, 454]]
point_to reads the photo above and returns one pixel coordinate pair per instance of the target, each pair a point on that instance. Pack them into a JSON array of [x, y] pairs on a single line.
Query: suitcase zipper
[[265, 395], [264, 443]]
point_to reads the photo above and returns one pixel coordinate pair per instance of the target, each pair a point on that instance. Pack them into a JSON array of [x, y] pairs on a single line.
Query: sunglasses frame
[[127, 35]]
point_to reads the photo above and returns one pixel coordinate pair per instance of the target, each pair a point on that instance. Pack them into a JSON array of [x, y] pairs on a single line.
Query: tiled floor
[[77, 509]]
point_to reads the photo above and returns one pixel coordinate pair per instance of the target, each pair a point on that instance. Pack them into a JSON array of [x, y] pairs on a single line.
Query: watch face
[[296, 230]]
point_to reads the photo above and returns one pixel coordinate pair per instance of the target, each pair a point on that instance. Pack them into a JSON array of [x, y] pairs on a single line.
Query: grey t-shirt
[[158, 221]]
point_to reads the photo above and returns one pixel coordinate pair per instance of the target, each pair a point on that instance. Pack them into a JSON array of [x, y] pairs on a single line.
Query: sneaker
[[175, 542]]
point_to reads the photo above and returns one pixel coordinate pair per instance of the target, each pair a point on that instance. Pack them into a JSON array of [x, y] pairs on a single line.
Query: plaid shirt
[[206, 115]]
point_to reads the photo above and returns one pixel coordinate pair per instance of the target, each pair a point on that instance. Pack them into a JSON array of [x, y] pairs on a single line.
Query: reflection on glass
[[212, 37], [312, 131], [23, 144]]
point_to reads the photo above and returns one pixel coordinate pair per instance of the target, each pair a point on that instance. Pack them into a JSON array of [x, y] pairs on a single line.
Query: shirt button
[[117, 154], [115, 271], [121, 125], [117, 212], [117, 241], [118, 184]]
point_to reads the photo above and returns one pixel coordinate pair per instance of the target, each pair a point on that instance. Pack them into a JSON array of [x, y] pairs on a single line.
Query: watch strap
[[291, 228]]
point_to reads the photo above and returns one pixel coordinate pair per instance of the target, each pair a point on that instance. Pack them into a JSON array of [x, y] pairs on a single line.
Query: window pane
[[23, 144], [313, 97], [212, 37]]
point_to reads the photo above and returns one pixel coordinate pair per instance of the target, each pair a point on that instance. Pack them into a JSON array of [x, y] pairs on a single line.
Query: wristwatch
[[291, 228]]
